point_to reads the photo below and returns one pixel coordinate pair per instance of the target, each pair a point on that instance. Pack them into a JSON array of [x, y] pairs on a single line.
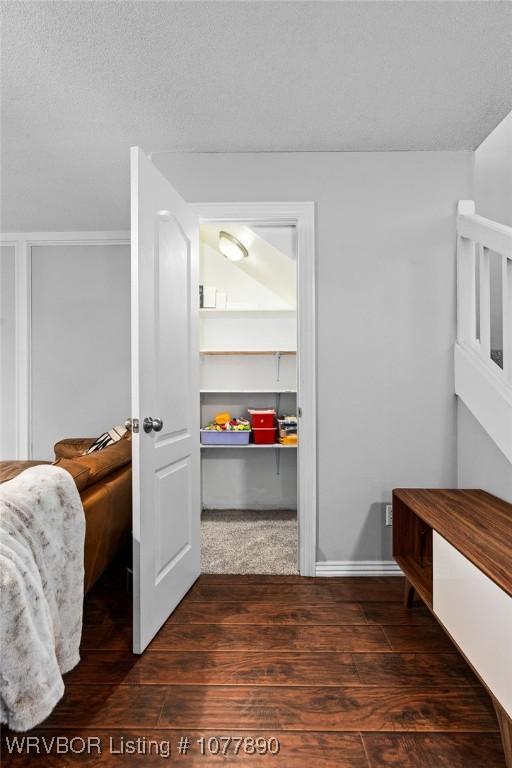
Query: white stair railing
[[483, 376]]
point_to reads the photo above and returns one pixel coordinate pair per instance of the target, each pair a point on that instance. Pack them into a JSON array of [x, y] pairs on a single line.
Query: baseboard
[[357, 568]]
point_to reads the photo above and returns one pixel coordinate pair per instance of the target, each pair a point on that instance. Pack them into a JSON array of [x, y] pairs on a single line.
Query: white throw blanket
[[42, 529]]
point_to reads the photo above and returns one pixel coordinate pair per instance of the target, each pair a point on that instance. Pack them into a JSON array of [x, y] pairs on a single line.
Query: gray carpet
[[236, 541]]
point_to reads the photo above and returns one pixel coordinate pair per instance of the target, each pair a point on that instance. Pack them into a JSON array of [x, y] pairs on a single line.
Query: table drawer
[[478, 616]]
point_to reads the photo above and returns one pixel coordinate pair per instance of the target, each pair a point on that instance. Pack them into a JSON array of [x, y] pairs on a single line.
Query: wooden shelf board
[[420, 578], [248, 352], [251, 445]]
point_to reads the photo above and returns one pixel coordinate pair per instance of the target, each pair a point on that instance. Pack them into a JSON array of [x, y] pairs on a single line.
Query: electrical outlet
[[389, 514]]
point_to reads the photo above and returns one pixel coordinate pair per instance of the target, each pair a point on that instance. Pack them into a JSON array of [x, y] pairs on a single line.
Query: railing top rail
[[491, 234]]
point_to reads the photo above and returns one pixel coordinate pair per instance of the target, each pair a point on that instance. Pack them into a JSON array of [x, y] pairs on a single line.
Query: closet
[[248, 360]]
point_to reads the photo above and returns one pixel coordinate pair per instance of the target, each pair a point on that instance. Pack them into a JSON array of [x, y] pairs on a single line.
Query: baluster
[[485, 303]]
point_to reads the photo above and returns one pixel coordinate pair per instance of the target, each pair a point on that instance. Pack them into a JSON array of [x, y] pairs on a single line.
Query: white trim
[[357, 568], [114, 237], [489, 233], [487, 395], [302, 216], [23, 243], [22, 332]]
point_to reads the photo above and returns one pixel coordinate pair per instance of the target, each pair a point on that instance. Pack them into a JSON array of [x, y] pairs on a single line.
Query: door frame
[[301, 215]]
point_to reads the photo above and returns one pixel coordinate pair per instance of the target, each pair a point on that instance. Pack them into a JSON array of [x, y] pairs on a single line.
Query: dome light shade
[[231, 247]]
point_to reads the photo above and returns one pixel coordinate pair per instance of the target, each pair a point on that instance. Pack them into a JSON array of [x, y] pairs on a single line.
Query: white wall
[[386, 318], [80, 363], [7, 355], [493, 174], [480, 463]]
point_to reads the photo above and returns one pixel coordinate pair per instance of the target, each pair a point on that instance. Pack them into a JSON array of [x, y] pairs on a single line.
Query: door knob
[[152, 425], [132, 425]]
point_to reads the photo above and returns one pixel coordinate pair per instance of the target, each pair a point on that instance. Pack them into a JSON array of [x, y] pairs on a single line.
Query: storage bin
[[262, 419], [227, 437], [264, 436]]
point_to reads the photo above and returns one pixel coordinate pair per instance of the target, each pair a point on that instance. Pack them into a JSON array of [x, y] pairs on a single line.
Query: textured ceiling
[[82, 81]]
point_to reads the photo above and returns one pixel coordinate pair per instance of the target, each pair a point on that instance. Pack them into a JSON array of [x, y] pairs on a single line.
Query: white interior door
[[165, 398]]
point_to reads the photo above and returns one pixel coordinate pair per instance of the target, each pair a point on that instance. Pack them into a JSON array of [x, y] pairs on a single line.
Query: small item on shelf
[[287, 426], [262, 418], [263, 423], [209, 296], [201, 297], [264, 435], [227, 431]]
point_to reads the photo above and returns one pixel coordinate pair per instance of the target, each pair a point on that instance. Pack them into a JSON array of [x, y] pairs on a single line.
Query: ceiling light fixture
[[231, 247]]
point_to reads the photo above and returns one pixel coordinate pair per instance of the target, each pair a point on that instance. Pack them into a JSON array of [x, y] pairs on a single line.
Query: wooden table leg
[[505, 724], [408, 594]]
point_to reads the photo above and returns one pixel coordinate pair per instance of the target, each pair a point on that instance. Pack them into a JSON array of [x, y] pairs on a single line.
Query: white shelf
[[248, 391], [212, 311], [250, 445], [248, 351]]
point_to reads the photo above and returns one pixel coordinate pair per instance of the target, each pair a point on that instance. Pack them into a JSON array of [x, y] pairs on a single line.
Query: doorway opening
[[248, 382], [289, 229]]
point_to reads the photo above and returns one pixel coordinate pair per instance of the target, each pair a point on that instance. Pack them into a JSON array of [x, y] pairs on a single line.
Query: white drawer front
[[478, 615]]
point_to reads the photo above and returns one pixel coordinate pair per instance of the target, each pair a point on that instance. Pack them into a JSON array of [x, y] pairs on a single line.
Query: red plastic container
[[262, 419], [264, 436]]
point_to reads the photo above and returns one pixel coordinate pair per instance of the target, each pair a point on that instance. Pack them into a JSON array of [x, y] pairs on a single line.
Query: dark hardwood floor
[[336, 669]]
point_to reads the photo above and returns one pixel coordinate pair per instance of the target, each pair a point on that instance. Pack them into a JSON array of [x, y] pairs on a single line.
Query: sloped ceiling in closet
[[83, 81], [272, 268]]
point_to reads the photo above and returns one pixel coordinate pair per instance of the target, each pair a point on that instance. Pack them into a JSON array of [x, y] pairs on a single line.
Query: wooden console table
[[455, 550]]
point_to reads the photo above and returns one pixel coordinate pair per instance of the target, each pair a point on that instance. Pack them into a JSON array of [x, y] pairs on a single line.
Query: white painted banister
[[506, 282], [497, 237], [466, 294], [483, 384]]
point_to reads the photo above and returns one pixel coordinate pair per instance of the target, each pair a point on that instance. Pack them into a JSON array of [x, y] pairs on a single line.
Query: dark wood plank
[[476, 523], [128, 706], [194, 612], [328, 709], [436, 750], [215, 668], [427, 639], [394, 613], [103, 609], [206, 579], [386, 588], [106, 668], [106, 636], [208, 637], [321, 592], [414, 669], [297, 750]]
